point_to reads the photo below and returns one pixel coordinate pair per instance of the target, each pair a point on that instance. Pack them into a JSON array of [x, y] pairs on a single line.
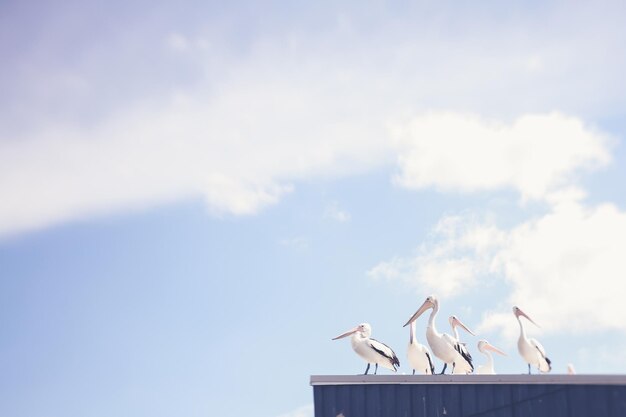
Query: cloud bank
[[563, 265], [146, 115], [536, 155]]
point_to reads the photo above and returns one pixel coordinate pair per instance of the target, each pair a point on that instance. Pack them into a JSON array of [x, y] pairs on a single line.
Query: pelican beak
[[521, 313], [346, 334], [427, 304], [463, 326], [492, 348]]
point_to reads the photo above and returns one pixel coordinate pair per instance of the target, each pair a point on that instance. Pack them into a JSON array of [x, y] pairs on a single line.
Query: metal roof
[[469, 395], [591, 379]]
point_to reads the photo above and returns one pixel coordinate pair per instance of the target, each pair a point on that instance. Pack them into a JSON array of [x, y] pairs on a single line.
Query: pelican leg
[[445, 365], [375, 369], [528, 369], [367, 369]]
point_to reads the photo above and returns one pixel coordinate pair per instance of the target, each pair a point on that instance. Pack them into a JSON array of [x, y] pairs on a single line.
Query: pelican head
[[483, 345], [454, 321], [364, 329], [430, 302], [518, 312]]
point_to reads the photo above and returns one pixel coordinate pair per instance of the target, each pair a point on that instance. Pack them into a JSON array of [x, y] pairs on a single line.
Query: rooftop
[[591, 379]]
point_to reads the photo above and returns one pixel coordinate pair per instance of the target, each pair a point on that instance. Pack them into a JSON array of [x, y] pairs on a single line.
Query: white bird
[[531, 350], [463, 362], [443, 345], [371, 350], [570, 369], [484, 347], [418, 355]]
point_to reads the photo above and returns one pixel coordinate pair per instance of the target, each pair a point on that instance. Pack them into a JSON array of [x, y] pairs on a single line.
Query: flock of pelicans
[[446, 347]]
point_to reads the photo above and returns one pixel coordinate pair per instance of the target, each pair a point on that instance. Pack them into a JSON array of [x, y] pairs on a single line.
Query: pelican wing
[[461, 349], [545, 365], [385, 351], [450, 339], [537, 346], [430, 362]]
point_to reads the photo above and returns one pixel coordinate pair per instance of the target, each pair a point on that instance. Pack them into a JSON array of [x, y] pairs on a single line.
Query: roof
[[590, 379], [469, 395]]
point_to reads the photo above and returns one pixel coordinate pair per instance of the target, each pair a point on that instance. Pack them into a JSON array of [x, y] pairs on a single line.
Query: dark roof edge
[[468, 379]]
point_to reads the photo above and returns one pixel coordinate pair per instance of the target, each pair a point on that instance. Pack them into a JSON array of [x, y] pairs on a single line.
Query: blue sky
[[197, 198]]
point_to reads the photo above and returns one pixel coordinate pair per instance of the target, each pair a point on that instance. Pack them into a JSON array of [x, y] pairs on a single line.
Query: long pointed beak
[[425, 306], [521, 313], [492, 348], [346, 334], [463, 326]]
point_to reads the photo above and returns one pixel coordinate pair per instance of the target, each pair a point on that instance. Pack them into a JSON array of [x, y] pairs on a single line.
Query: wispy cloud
[[560, 264], [565, 267], [177, 42], [335, 212], [239, 123], [460, 252], [297, 242]]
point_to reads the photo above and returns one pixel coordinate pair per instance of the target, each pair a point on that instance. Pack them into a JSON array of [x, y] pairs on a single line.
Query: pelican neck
[[431, 318], [456, 333], [521, 327], [489, 358]]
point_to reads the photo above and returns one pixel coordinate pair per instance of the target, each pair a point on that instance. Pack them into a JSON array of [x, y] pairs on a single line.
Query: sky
[[195, 198]]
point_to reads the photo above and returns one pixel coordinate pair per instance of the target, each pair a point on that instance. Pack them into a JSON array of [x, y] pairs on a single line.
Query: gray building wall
[[470, 395]]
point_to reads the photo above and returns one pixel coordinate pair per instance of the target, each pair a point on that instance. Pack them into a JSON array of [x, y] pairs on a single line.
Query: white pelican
[[442, 345], [570, 369], [371, 350], [463, 363], [531, 350], [418, 355], [484, 347]]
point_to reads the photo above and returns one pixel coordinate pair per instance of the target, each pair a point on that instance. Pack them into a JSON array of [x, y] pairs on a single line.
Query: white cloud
[[243, 155], [304, 411], [177, 42], [232, 195], [564, 268], [239, 122], [297, 242], [180, 43], [459, 253], [534, 64], [536, 155], [335, 212], [241, 151]]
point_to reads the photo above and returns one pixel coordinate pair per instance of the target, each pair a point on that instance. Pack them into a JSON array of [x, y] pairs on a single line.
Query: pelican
[[484, 347], [570, 369], [531, 350], [418, 355], [442, 345], [463, 362], [371, 350]]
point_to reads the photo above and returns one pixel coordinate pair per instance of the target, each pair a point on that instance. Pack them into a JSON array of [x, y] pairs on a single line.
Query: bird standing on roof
[[531, 350], [418, 355], [371, 350], [484, 347], [570, 369], [463, 363], [442, 345]]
